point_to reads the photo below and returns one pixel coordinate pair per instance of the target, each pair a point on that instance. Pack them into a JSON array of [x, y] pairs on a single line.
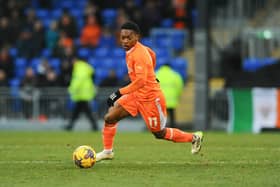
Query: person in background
[[172, 86], [52, 36], [82, 91], [6, 63], [29, 92], [91, 32]]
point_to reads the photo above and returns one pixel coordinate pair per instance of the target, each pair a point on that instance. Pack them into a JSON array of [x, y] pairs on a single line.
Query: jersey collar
[[131, 49]]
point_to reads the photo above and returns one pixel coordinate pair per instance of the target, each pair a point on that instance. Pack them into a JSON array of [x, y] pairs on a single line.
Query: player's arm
[[140, 69]]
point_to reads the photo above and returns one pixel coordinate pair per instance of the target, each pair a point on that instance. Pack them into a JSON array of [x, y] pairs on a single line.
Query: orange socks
[[108, 136], [177, 135]]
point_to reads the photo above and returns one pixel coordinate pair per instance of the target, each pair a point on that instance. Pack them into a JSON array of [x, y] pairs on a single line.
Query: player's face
[[128, 38]]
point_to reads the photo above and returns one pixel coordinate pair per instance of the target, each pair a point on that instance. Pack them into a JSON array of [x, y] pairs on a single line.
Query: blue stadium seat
[[46, 53], [100, 74], [107, 41], [77, 13], [55, 64], [162, 53], [108, 63], [161, 61], [42, 13], [46, 22], [108, 16], [167, 23], [147, 41], [101, 52], [13, 51], [178, 38], [180, 65], [14, 82], [34, 63], [84, 53], [20, 66], [94, 62], [56, 13], [118, 53], [251, 64]]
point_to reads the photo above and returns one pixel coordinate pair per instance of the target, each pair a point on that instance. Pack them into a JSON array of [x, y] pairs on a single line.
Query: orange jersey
[[141, 62]]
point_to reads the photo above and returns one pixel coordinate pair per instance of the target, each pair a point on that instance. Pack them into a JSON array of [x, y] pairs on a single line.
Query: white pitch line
[[221, 162]]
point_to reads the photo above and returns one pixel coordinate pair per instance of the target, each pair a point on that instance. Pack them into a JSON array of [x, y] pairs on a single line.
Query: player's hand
[[113, 97]]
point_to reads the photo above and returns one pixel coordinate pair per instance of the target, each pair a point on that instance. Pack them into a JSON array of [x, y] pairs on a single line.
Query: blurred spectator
[[52, 36], [28, 91], [24, 44], [31, 18], [50, 79], [3, 79], [133, 11], [151, 16], [64, 43], [66, 71], [6, 63], [92, 9], [68, 25], [41, 70], [38, 40], [90, 32], [82, 91], [16, 24], [172, 86], [5, 32], [111, 80]]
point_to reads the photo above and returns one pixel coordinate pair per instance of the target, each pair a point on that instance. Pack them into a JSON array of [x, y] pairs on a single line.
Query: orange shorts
[[153, 112]]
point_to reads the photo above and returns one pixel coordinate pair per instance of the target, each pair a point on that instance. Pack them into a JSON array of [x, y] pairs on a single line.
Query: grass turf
[[45, 159]]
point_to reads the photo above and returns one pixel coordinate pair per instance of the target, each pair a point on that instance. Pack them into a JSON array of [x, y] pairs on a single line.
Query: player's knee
[[159, 135], [109, 119]]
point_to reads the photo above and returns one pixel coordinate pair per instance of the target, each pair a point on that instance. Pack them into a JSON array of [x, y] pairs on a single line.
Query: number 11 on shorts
[[152, 122]]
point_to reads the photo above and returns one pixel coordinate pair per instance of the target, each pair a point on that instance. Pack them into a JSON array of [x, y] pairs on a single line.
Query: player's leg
[[154, 114], [124, 107]]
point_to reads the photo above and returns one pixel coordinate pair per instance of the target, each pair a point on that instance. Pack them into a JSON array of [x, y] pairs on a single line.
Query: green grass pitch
[[45, 159]]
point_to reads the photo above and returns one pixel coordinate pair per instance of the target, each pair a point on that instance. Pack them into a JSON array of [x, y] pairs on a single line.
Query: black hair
[[131, 26]]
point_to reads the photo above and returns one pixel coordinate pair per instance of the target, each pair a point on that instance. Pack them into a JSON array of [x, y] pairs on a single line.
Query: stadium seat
[[101, 52], [167, 23], [93, 62], [118, 53], [251, 64], [84, 53], [108, 63], [46, 53], [160, 62], [107, 41], [55, 64], [42, 14], [162, 53], [100, 74], [178, 38], [108, 16], [20, 66], [56, 13], [13, 51], [77, 13], [34, 63], [147, 41], [180, 65], [15, 82]]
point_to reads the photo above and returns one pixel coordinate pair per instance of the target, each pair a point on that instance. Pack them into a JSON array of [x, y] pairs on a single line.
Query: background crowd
[[39, 40]]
